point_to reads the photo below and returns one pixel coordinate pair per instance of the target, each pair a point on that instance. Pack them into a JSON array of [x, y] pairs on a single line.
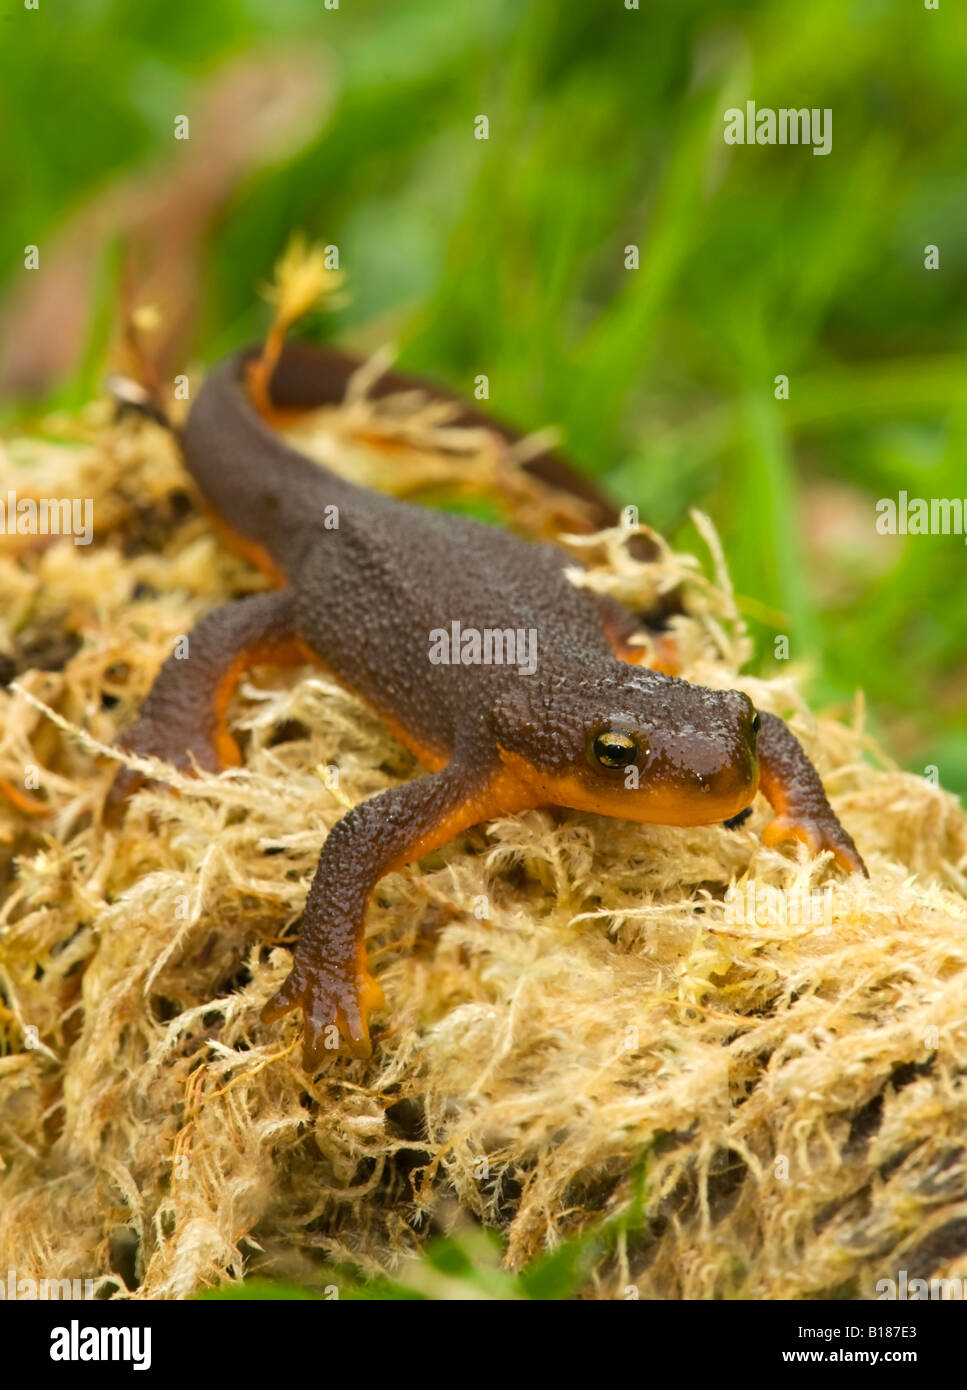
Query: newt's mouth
[[681, 800]]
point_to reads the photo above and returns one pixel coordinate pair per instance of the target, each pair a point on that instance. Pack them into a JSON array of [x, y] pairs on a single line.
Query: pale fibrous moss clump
[[569, 1000]]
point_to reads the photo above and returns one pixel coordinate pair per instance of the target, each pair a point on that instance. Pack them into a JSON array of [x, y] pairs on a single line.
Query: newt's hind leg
[[792, 785], [620, 625], [184, 714]]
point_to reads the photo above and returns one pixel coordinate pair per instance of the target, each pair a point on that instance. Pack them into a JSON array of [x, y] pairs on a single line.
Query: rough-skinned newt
[[578, 725]]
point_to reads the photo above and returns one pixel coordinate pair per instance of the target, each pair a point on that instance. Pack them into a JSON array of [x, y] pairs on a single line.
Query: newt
[[580, 724]]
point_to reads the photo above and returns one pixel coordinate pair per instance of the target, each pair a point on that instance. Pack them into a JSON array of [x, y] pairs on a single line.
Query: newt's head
[[633, 744]]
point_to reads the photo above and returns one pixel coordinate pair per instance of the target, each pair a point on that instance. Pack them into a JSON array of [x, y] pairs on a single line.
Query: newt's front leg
[[329, 980], [791, 784]]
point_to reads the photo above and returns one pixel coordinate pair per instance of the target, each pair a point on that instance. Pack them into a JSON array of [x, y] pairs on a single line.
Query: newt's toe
[[817, 835], [332, 1008]]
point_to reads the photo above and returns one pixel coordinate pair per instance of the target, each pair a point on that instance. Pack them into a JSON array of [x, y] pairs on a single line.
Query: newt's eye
[[756, 722], [614, 750]]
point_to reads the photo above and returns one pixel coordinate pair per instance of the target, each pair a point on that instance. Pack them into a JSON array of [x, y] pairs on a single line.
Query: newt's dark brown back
[[375, 577]]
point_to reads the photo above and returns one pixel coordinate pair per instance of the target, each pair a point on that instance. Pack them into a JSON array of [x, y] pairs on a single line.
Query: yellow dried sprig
[[302, 279]]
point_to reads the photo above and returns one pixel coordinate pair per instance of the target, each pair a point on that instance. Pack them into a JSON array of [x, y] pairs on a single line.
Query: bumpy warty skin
[[370, 592]]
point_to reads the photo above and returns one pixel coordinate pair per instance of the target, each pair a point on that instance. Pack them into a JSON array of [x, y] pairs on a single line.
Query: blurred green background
[[506, 257]]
